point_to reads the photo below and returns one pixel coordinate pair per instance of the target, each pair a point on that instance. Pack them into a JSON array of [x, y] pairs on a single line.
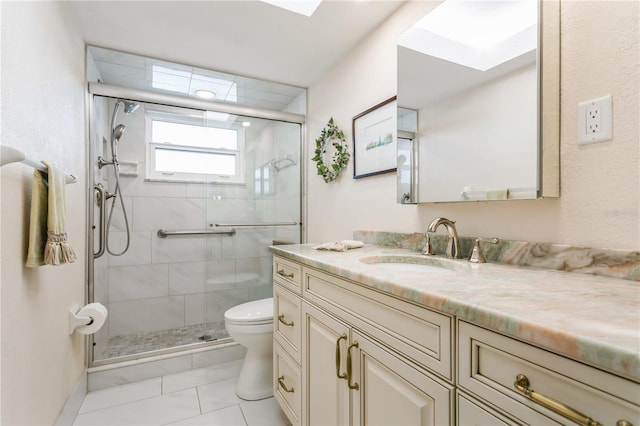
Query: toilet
[[251, 325]]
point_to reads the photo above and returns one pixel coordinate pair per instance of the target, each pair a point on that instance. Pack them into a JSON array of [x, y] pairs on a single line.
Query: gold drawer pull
[[282, 273], [349, 367], [282, 320], [340, 375], [522, 384], [283, 386]]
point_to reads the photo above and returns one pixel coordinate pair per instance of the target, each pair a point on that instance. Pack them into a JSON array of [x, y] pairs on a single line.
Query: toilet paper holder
[[76, 320]]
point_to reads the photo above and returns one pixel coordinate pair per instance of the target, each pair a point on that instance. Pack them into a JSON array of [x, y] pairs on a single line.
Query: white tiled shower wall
[[175, 282]]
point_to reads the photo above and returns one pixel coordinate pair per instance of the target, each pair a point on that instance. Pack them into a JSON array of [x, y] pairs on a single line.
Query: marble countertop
[[589, 318]]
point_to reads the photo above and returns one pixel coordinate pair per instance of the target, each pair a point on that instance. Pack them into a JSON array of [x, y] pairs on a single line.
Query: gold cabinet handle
[[522, 384], [349, 366], [282, 320], [340, 375], [283, 386], [282, 273]]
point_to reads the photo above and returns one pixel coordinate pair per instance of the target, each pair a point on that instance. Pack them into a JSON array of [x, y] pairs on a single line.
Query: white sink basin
[[417, 263]]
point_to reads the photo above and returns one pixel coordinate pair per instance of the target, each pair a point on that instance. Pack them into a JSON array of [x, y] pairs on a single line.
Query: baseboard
[[74, 402]]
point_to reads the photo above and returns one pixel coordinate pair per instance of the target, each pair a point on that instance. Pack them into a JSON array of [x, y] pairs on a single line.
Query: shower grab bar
[[256, 225], [101, 199], [163, 233]]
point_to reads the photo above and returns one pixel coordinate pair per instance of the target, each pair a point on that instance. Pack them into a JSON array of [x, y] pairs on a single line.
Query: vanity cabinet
[[346, 353], [366, 357]]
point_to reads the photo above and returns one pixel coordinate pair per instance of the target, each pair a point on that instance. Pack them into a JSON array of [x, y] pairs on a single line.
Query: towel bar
[[10, 154]]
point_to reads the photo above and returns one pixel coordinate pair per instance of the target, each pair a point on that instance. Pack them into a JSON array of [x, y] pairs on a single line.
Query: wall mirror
[[483, 80]]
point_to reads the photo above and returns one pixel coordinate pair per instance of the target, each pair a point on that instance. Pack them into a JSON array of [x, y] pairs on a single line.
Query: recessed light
[[205, 94], [246, 124]]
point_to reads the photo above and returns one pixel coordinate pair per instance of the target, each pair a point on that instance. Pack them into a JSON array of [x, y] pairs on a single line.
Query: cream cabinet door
[[325, 395], [392, 391]]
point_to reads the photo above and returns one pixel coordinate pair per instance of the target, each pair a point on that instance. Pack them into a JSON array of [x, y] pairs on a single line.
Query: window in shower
[[200, 147]]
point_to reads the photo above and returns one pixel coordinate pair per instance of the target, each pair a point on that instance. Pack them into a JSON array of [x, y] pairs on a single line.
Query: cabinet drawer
[[287, 384], [287, 273], [471, 412], [416, 332], [287, 327], [490, 363]]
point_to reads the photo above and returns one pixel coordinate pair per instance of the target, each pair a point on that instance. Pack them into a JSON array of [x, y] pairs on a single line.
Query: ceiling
[[157, 76], [242, 37]]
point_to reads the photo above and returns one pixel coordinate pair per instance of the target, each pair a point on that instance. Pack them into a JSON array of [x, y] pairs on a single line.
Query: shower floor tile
[[136, 343]]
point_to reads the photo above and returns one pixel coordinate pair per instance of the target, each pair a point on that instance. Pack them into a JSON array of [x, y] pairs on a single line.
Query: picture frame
[[375, 140]]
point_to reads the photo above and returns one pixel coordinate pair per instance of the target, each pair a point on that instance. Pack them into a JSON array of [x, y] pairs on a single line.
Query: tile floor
[[203, 396]]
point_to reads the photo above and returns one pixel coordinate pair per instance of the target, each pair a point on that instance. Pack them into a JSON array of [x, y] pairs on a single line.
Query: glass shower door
[[263, 211], [167, 293]]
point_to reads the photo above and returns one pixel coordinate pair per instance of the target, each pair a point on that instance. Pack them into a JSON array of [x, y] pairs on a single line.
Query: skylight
[[303, 7], [476, 34], [480, 24]]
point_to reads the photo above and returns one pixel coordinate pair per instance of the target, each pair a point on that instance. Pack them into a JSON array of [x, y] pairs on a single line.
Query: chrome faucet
[[453, 246]]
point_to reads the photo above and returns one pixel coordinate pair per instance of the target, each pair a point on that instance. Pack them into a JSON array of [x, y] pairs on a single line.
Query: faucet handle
[[476, 252], [427, 250]]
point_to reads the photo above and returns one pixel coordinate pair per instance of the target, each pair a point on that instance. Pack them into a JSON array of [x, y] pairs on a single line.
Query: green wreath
[[340, 157]]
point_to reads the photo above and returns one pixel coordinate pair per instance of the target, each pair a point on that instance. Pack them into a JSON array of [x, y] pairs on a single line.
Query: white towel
[[343, 245]]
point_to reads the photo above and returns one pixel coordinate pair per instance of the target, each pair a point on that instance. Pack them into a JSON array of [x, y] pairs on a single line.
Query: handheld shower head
[[117, 132], [129, 107]]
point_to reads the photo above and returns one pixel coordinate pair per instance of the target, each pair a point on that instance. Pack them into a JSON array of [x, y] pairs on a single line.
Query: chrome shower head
[[117, 132], [129, 107]]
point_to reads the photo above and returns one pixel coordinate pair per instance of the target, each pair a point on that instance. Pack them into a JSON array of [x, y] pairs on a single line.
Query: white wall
[[42, 114], [600, 184]]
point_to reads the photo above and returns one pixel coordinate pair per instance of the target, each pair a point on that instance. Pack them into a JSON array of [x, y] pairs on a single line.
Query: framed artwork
[[374, 140]]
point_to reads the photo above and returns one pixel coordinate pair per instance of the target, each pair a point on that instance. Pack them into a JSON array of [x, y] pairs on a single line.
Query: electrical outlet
[[595, 120]]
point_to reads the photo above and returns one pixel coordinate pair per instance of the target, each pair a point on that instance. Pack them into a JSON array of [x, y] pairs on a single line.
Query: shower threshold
[[152, 341]]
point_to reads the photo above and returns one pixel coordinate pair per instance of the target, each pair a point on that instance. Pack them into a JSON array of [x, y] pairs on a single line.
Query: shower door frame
[[116, 92]]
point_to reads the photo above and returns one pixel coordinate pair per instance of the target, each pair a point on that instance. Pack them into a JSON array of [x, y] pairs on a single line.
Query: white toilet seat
[[255, 312], [247, 323]]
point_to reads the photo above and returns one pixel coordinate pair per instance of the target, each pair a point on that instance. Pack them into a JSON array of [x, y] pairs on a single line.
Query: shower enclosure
[[186, 203]]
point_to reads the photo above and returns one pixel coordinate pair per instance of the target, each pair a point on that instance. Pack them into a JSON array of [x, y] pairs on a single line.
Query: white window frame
[[181, 116]]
